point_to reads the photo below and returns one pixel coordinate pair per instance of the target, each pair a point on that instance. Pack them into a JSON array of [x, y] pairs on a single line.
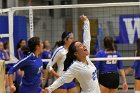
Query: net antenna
[[31, 19]]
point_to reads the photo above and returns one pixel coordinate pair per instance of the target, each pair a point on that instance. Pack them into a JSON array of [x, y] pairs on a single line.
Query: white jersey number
[[111, 61]]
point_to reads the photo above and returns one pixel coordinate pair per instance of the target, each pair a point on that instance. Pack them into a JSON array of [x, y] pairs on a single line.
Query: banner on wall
[[129, 26], [20, 29]]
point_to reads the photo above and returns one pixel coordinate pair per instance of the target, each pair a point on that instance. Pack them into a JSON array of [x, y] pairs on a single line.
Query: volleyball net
[[118, 20]]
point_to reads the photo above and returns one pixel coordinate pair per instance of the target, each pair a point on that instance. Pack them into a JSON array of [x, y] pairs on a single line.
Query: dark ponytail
[[65, 35], [138, 47], [31, 47], [70, 57], [26, 50], [108, 43]]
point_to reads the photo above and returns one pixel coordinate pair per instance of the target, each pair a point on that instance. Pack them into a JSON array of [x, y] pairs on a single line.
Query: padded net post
[[2, 77]]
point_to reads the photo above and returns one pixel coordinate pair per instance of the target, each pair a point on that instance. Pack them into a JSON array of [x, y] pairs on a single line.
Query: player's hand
[[4, 51], [46, 90], [125, 87], [12, 88], [83, 17], [42, 91]]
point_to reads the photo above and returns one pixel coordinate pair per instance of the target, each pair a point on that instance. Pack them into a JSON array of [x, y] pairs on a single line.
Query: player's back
[[32, 66], [46, 54], [109, 65]]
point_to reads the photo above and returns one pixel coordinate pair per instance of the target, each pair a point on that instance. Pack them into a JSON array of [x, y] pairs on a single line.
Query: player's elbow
[[11, 71], [49, 68]]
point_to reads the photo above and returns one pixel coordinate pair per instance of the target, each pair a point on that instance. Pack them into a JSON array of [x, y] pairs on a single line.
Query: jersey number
[[111, 61]]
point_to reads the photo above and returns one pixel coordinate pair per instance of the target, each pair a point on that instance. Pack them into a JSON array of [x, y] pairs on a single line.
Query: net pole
[[11, 40], [75, 20], [31, 19], [2, 77]]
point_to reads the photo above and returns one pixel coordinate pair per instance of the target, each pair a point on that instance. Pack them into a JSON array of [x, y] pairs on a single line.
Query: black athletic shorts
[[44, 66], [109, 80], [7, 68], [138, 78]]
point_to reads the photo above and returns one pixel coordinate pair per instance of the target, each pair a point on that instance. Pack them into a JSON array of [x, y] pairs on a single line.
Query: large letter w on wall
[[132, 27]]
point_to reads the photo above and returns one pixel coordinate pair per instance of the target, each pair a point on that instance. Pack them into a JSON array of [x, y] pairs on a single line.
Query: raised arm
[[86, 32]]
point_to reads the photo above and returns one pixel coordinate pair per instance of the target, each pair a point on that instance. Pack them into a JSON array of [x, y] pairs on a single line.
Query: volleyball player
[[109, 70], [46, 54], [136, 67], [20, 45], [3, 53], [20, 55], [32, 66], [78, 65], [7, 67], [60, 55]]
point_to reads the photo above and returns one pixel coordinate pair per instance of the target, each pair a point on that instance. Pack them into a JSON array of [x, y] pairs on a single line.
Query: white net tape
[[92, 59], [4, 35]]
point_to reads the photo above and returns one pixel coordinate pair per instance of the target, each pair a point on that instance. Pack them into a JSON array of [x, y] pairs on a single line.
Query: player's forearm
[[128, 70], [60, 81], [7, 56], [51, 70], [10, 79], [123, 75], [86, 35], [54, 73]]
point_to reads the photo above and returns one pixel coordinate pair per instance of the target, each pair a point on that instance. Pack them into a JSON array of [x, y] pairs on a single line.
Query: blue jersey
[[46, 55], [32, 66], [136, 67], [2, 55], [109, 65], [8, 66], [20, 54]]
